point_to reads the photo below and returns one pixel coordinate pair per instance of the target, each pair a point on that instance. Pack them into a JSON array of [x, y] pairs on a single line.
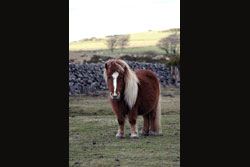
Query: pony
[[133, 93]]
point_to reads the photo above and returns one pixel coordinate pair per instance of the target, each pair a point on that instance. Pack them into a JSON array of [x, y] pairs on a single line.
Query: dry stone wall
[[86, 78]]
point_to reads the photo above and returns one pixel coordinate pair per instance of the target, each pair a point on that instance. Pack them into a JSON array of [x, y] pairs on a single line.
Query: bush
[[97, 59], [148, 59], [174, 61]]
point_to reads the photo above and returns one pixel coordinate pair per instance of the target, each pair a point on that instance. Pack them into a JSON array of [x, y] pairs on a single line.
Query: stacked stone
[[86, 78]]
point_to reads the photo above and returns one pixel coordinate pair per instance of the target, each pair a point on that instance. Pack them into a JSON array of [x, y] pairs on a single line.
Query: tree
[[123, 41], [169, 43], [112, 42]]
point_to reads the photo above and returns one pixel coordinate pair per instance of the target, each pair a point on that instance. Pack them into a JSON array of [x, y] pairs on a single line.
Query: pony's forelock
[[105, 72]]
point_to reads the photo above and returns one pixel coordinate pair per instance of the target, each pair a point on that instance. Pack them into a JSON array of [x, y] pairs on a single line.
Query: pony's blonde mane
[[131, 86], [131, 83]]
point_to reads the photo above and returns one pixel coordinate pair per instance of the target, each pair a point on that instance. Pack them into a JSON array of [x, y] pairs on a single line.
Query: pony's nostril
[[115, 95]]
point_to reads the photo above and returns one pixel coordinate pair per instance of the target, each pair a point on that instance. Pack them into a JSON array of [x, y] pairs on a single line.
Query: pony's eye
[[108, 77]]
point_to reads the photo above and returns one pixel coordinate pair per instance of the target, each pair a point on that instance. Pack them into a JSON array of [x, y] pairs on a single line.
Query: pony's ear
[[125, 71], [106, 66]]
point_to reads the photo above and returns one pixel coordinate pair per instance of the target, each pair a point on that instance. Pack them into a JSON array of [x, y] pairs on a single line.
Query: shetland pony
[[133, 93]]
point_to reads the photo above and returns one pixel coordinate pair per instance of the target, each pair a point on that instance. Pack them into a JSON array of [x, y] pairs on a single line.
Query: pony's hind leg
[[145, 129], [152, 116]]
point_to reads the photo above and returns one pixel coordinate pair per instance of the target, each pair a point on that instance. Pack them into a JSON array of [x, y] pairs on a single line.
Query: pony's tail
[[158, 129]]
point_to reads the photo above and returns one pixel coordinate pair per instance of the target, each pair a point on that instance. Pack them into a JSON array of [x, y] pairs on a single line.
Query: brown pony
[[134, 93]]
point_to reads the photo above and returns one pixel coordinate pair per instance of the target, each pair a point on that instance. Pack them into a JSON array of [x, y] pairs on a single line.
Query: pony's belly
[[143, 111]]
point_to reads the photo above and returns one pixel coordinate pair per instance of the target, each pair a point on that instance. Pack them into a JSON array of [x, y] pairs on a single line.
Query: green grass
[[80, 55], [143, 49], [83, 105], [92, 135], [134, 50]]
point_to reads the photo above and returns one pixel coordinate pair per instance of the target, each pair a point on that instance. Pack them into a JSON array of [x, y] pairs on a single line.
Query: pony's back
[[148, 81]]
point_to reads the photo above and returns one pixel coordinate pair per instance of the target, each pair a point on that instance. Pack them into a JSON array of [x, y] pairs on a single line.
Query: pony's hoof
[[134, 137], [119, 137], [150, 133], [143, 134]]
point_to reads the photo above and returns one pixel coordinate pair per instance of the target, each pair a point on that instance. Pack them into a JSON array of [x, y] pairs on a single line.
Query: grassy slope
[[92, 135], [137, 40]]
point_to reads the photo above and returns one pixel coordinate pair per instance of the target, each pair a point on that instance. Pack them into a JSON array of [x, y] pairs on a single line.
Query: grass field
[[92, 129], [80, 55], [137, 40], [135, 50]]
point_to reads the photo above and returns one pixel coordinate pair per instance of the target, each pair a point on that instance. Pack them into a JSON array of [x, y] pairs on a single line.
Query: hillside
[[144, 40]]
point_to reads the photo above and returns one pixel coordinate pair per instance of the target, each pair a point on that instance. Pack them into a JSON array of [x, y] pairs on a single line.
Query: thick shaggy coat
[[134, 93]]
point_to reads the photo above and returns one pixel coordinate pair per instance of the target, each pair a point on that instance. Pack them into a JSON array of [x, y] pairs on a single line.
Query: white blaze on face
[[115, 75]]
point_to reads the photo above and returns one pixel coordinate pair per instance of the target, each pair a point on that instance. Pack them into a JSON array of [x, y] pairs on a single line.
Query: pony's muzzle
[[114, 96]]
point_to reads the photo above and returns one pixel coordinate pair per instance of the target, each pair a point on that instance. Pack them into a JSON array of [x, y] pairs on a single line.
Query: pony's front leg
[[121, 133], [132, 118]]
